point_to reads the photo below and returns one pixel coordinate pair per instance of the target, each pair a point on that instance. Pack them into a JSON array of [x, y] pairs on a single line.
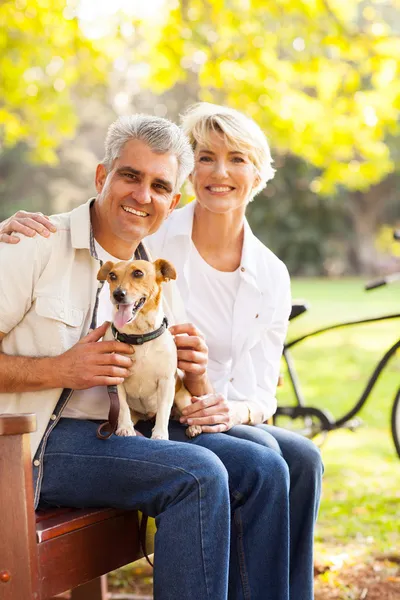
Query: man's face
[[138, 193]]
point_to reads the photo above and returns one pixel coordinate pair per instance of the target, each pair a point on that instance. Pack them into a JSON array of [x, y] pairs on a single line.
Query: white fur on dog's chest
[[153, 361]]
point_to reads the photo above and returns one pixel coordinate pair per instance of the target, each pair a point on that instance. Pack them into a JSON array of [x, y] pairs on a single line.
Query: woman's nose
[[221, 168]]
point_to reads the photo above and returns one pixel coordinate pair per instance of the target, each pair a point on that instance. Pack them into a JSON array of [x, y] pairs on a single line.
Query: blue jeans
[[261, 577], [191, 490], [305, 469]]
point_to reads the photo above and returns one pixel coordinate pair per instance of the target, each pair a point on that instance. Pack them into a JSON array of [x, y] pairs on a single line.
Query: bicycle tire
[[395, 422]]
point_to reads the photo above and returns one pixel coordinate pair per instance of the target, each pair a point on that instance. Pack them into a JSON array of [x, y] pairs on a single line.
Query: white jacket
[[261, 311]]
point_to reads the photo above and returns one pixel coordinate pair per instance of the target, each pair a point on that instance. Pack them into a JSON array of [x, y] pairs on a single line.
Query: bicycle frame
[[327, 421]]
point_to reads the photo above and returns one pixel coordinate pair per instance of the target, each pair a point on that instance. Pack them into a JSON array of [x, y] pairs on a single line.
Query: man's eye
[[130, 176], [159, 186], [137, 273], [112, 276]]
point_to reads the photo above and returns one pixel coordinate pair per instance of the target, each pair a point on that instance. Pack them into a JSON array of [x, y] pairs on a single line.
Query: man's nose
[[142, 194], [119, 294]]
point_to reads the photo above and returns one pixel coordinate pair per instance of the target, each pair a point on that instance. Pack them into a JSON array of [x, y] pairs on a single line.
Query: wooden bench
[[45, 553]]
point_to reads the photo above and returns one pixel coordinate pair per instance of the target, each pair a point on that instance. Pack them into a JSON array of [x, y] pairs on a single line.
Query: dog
[[153, 386]]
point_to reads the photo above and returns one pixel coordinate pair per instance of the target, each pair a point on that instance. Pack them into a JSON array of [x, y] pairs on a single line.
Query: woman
[[237, 293]]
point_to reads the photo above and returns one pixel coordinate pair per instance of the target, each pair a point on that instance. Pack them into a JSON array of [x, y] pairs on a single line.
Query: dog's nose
[[119, 295]]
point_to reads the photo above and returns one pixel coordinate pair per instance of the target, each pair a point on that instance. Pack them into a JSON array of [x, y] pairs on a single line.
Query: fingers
[[119, 360], [192, 356], [209, 405], [186, 328], [29, 224], [190, 341], [215, 428], [101, 380], [8, 239], [112, 371], [95, 335]]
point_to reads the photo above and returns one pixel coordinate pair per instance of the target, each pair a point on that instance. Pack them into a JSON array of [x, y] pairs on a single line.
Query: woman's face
[[222, 179]]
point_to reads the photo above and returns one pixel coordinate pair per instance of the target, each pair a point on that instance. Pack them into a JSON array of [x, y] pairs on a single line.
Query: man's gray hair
[[161, 135]]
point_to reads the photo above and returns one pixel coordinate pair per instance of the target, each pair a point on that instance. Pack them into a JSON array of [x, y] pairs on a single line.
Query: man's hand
[[212, 412], [91, 362], [26, 223], [192, 358]]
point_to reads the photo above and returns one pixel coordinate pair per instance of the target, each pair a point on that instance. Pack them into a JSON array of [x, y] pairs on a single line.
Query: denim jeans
[[192, 490], [303, 459]]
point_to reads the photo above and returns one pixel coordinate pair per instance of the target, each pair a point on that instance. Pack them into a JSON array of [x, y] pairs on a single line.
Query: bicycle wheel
[[396, 422]]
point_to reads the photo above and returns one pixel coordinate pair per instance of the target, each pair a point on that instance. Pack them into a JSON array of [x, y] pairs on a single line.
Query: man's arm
[[87, 364]]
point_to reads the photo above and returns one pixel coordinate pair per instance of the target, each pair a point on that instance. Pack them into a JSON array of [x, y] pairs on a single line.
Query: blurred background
[[322, 78]]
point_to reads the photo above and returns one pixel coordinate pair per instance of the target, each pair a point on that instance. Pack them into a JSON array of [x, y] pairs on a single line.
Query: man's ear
[[174, 202], [164, 270], [101, 176], [104, 270]]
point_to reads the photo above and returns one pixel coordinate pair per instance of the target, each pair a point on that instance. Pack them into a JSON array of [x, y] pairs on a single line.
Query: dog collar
[[138, 340]]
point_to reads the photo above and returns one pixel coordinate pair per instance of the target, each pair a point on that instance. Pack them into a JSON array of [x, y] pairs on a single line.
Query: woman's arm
[[27, 224]]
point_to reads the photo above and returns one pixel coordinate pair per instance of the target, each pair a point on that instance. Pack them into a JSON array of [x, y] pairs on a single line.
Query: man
[[51, 365]]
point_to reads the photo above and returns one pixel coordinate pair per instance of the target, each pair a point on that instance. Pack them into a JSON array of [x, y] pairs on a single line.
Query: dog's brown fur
[[153, 384]]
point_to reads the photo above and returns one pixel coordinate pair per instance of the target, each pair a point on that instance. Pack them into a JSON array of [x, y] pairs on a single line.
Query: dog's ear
[[104, 271], [164, 270]]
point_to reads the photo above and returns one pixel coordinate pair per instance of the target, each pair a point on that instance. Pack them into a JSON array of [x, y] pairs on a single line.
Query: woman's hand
[[27, 224], [213, 412], [192, 358]]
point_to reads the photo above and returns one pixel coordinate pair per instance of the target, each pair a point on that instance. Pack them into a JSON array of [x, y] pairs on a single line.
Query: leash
[[108, 428]]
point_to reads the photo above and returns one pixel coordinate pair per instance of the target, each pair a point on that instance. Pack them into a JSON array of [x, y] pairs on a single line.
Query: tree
[[43, 56], [321, 77]]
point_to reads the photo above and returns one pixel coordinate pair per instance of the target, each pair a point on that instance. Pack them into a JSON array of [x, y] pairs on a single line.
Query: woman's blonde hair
[[240, 133]]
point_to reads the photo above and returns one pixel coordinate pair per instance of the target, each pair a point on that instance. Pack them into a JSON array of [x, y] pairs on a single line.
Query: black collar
[[138, 340]]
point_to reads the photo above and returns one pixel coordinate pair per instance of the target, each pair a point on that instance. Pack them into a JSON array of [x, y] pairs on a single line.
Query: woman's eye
[[238, 159], [205, 159]]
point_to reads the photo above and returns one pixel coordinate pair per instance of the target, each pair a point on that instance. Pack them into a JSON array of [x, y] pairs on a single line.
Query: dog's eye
[[112, 276], [137, 273]]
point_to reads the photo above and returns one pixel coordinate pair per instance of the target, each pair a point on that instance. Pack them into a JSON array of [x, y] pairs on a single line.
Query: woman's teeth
[[219, 188], [139, 213]]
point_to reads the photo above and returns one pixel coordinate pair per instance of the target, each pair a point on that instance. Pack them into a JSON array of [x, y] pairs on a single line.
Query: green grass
[[361, 496]]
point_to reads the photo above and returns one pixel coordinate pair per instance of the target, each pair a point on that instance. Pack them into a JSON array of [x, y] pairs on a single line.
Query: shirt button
[[242, 269], [36, 463], [257, 316], [231, 379], [53, 417]]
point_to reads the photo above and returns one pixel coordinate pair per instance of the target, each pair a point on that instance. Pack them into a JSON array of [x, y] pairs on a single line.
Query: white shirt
[[94, 401], [210, 306], [260, 314]]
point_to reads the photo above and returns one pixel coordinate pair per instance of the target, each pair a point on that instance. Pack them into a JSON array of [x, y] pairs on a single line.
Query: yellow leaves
[[42, 55]]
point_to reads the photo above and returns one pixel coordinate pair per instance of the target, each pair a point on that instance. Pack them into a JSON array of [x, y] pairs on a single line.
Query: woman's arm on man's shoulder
[[25, 223]]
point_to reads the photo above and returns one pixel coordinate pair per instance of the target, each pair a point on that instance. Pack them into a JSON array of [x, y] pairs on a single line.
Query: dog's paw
[[125, 430], [159, 436], [193, 430]]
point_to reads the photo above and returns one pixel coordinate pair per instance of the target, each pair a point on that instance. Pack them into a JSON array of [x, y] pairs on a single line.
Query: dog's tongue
[[124, 314]]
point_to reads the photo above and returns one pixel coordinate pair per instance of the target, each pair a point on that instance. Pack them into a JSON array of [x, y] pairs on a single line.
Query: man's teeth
[[139, 213], [219, 188]]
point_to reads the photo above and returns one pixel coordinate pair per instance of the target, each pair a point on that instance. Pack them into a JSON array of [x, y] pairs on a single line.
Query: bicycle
[[320, 421]]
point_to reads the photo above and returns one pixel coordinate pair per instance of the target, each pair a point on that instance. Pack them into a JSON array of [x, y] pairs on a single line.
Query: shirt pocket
[[61, 319]]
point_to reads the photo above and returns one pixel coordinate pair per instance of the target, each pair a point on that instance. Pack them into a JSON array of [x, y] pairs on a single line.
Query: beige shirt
[[47, 297]]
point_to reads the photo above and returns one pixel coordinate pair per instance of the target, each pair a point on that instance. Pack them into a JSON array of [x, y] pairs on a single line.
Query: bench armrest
[[17, 424]]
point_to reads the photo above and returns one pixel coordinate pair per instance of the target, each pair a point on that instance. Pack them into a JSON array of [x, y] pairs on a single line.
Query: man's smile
[[138, 213]]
